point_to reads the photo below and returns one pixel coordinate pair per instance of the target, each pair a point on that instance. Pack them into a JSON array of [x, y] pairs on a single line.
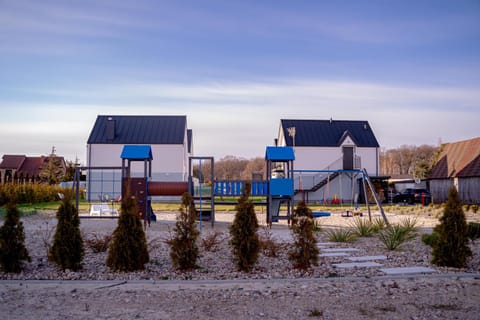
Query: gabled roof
[[138, 130], [32, 166], [458, 159], [328, 133], [12, 162]]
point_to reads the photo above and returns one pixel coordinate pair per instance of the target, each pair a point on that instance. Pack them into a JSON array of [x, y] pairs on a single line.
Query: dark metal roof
[[12, 161], [328, 133], [458, 159], [138, 130]]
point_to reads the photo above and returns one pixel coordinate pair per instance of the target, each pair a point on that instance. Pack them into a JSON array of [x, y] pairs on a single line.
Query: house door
[[347, 158]]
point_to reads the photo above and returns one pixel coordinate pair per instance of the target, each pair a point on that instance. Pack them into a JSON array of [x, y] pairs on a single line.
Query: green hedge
[[28, 193]]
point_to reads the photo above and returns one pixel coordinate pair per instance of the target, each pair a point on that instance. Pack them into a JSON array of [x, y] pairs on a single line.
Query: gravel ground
[[274, 290]]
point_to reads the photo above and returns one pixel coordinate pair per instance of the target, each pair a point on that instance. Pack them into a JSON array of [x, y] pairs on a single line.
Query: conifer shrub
[[128, 250], [183, 246], [67, 248], [451, 249], [304, 252], [430, 239], [12, 241], [243, 233], [473, 230]]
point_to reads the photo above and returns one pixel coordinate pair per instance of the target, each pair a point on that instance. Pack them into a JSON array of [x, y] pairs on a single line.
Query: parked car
[[412, 195]]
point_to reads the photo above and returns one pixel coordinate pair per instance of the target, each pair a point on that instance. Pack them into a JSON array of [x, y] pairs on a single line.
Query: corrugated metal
[[328, 133], [12, 161], [458, 159], [139, 130]]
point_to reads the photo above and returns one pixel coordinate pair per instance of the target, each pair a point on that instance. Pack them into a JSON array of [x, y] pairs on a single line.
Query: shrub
[[211, 242], [243, 232], [28, 193], [99, 244], [362, 227], [67, 249], [473, 230], [317, 226], [430, 239], [128, 250], [451, 249], [183, 246], [378, 225], [341, 235], [12, 241], [394, 236], [304, 252], [268, 246]]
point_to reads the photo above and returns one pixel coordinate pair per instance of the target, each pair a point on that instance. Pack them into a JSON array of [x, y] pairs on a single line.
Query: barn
[[458, 165], [331, 145], [170, 140]]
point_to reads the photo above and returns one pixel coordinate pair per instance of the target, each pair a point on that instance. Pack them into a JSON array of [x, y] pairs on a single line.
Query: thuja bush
[[304, 252], [128, 250], [67, 249], [12, 241], [451, 249], [183, 246], [243, 233], [473, 230]]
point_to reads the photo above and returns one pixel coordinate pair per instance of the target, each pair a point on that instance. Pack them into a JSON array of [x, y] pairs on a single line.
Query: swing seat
[[319, 214]]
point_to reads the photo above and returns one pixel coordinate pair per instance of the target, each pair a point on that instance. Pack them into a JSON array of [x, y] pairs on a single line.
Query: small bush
[[317, 226], [378, 225], [304, 251], [451, 249], [410, 224], [12, 242], [394, 236], [268, 246], [473, 230], [362, 227], [67, 249], [128, 249], [211, 241], [430, 239], [243, 233], [99, 244], [341, 235], [183, 247]]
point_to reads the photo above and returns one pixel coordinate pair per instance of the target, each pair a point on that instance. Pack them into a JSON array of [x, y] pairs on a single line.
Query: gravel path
[[355, 293]]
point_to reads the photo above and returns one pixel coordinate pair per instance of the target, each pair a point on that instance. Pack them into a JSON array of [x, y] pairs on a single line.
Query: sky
[[235, 68]]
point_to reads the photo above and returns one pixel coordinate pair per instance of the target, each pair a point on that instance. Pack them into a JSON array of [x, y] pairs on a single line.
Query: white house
[[331, 145], [168, 136]]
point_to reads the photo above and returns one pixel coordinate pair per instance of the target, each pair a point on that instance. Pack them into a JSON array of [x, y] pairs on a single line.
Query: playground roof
[[328, 133], [279, 154], [138, 130], [137, 153]]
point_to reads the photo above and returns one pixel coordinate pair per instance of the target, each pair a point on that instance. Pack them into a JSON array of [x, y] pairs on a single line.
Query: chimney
[[110, 129]]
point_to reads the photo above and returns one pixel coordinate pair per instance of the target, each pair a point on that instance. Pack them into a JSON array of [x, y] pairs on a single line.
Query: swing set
[[320, 184]]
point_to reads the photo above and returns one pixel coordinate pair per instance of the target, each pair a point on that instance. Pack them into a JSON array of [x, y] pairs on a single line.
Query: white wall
[[320, 158], [166, 158]]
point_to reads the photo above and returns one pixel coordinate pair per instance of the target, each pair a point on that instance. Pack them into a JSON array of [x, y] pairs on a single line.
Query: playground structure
[[284, 185]]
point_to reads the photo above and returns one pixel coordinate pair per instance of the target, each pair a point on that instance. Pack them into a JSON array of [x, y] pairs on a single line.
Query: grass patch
[[362, 227], [341, 235], [394, 236]]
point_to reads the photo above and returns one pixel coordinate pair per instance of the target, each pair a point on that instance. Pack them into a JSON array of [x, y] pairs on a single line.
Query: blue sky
[[235, 68]]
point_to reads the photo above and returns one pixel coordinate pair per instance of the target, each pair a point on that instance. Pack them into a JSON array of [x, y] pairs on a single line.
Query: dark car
[[412, 195]]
